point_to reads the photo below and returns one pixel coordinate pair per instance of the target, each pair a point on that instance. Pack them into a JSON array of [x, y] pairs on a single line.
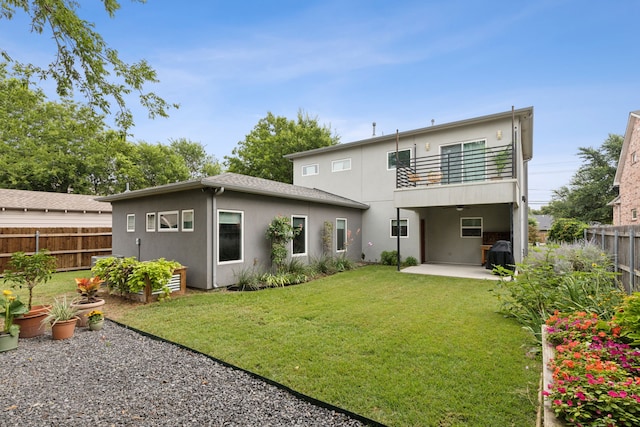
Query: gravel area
[[118, 377]]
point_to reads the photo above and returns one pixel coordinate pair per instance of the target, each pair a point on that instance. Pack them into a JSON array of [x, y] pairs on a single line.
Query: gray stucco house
[[216, 226], [456, 187]]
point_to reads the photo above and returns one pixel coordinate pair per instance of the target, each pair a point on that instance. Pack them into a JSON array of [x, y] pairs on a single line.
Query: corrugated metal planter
[[549, 418], [177, 284]]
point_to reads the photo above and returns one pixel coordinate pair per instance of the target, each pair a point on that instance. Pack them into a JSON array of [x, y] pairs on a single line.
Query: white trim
[[306, 235], [217, 237], [471, 227], [316, 170], [166, 214], [346, 234], [133, 225], [151, 215], [343, 161], [193, 225], [400, 150], [391, 228]]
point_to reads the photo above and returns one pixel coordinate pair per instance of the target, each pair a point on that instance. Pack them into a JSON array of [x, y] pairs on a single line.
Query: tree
[[591, 187], [199, 163], [261, 153], [83, 61]]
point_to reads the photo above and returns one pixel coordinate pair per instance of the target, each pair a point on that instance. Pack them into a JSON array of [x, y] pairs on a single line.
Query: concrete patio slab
[[452, 270]]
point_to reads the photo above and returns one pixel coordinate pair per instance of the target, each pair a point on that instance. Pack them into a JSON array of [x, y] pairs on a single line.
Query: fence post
[[37, 241], [632, 261], [615, 251]]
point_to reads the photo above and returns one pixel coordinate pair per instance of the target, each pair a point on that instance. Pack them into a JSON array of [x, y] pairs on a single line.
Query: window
[[151, 221], [131, 223], [168, 221], [187, 220], [310, 170], [470, 227], [634, 157], [230, 224], [404, 157], [341, 165], [634, 214], [404, 229], [299, 243], [463, 162], [341, 234]]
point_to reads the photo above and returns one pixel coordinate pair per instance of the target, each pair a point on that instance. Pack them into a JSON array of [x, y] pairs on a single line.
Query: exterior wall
[[187, 247], [34, 218], [260, 210], [370, 181], [198, 249], [630, 180]]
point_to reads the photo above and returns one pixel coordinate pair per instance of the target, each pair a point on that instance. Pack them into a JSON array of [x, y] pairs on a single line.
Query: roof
[[46, 201], [544, 222], [625, 146], [526, 132], [243, 184]]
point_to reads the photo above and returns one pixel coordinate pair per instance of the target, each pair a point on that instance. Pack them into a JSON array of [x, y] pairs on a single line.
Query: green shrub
[[343, 264], [128, 275], [566, 278], [389, 258], [323, 265], [410, 261], [567, 230], [247, 279], [628, 318]]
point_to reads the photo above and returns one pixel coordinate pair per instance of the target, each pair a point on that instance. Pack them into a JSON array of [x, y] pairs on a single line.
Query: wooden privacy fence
[[73, 247], [623, 244]]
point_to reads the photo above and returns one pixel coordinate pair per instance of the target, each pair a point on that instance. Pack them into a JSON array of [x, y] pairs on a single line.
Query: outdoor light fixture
[[459, 208]]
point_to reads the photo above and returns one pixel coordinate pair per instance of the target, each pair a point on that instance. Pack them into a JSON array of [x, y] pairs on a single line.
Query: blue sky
[[401, 64]]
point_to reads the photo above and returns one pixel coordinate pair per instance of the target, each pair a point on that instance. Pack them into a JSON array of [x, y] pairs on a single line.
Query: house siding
[[370, 181], [630, 179], [198, 249]]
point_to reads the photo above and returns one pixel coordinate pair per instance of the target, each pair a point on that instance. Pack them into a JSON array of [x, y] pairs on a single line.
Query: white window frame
[[166, 214], [185, 213], [346, 234], [306, 168], [471, 227], [447, 175], [391, 167], [234, 261], [345, 162], [405, 220], [304, 233], [151, 222], [131, 223]]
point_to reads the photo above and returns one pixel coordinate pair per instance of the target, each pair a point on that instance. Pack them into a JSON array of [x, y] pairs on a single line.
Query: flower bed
[[595, 376]]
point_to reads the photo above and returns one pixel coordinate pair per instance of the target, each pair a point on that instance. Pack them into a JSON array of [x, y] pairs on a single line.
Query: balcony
[[466, 177]]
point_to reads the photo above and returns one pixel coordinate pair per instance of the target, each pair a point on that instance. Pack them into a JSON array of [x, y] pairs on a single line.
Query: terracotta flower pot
[[64, 329], [7, 342], [85, 308], [31, 322]]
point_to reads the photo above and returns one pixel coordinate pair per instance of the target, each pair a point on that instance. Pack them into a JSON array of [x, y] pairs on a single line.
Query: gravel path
[[118, 377]]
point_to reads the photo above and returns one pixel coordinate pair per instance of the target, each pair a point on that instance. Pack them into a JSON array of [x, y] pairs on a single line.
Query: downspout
[[397, 209], [214, 261]]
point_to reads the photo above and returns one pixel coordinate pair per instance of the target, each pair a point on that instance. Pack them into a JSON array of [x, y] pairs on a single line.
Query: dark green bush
[[567, 230], [410, 261], [389, 258]]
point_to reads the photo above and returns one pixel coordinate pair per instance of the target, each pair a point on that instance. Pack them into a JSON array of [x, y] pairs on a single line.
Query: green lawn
[[405, 350]]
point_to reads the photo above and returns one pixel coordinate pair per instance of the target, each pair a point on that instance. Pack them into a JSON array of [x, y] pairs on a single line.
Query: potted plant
[[62, 316], [88, 290], [11, 306], [29, 271], [95, 319]]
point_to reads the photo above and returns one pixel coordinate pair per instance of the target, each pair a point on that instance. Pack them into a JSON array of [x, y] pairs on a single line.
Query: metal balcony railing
[[456, 168]]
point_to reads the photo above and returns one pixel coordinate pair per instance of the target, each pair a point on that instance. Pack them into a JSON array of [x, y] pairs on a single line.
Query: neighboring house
[[217, 226], [29, 209], [448, 191], [544, 225], [627, 179]]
